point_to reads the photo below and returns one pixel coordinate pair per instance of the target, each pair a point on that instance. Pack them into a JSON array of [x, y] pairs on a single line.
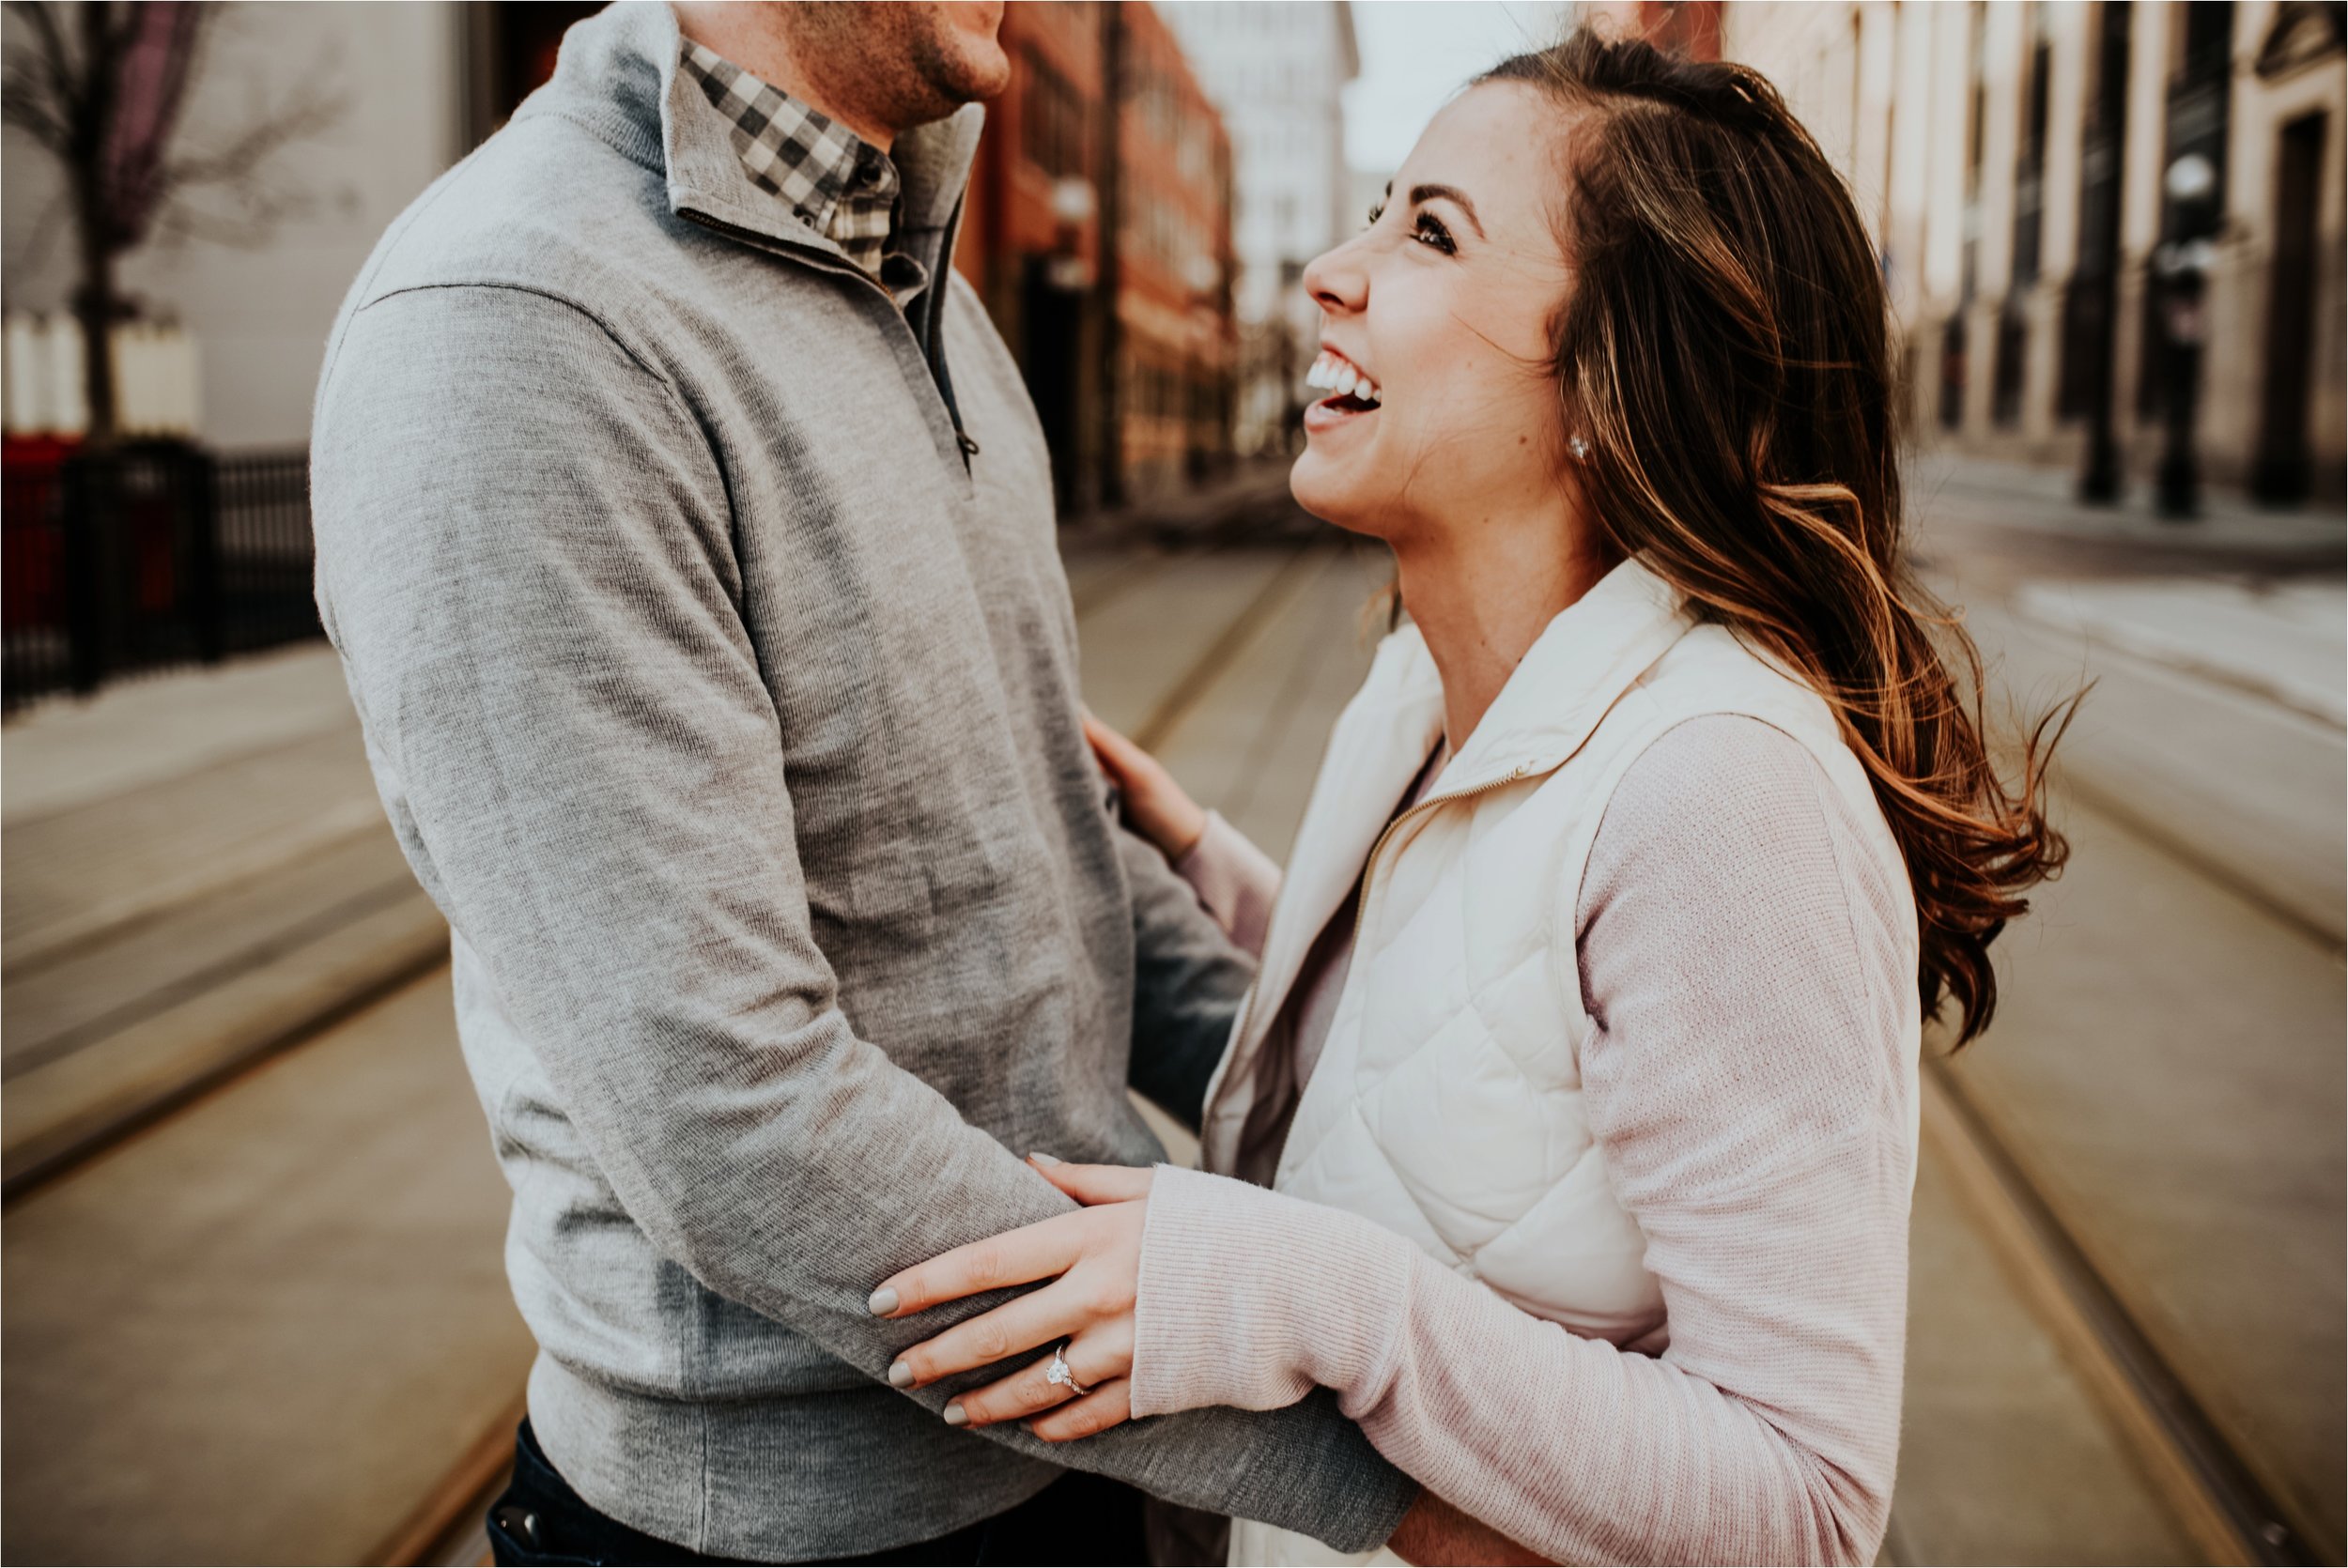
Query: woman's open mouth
[[1352, 393]]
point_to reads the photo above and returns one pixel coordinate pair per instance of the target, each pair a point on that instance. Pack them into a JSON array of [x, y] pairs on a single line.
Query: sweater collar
[[618, 75], [1587, 656]]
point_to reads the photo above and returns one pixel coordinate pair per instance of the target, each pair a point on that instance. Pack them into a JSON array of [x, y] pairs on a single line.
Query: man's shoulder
[[532, 258], [543, 205]]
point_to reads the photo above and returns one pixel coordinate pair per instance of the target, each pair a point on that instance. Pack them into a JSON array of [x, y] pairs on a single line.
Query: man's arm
[[1188, 982], [524, 554]]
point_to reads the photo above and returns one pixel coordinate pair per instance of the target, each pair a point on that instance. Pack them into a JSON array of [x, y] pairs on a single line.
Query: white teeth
[[1330, 372]]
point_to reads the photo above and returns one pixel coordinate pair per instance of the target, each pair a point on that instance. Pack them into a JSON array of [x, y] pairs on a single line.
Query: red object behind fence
[[32, 546]]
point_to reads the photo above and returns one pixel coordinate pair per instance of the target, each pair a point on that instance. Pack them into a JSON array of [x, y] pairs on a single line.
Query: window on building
[[1052, 119], [1953, 371], [2005, 392], [2204, 45], [2029, 171]]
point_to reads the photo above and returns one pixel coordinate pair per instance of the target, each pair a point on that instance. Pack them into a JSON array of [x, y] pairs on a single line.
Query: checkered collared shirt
[[839, 185]]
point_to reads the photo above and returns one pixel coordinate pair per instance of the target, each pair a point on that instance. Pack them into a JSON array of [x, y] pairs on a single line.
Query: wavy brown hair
[[1726, 350]]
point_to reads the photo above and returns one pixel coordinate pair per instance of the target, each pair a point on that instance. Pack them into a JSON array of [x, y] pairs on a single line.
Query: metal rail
[[2214, 1492], [42, 1160]]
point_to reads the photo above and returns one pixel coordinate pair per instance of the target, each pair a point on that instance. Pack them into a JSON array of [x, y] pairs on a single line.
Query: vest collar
[[1584, 660]]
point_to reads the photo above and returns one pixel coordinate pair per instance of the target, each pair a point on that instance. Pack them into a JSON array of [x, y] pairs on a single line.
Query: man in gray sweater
[[687, 538]]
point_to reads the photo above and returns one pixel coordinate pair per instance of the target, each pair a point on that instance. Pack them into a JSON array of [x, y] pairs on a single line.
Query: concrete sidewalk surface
[[159, 788], [2286, 643], [2034, 500], [197, 871]]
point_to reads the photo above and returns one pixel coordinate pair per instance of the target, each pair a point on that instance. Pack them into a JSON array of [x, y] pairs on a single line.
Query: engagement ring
[[1058, 1373]]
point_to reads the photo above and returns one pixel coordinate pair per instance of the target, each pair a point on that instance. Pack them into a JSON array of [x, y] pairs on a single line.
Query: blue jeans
[[1079, 1518]]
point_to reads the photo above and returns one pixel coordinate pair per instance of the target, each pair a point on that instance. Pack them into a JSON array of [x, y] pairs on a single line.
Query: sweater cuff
[[1249, 1297], [1235, 881]]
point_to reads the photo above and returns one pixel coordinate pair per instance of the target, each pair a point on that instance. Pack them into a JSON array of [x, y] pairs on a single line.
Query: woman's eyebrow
[[1422, 193]]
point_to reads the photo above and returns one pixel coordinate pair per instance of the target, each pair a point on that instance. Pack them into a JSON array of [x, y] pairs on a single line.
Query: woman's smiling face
[[1445, 304]]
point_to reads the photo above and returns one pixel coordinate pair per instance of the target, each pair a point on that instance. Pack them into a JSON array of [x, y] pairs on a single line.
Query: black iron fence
[[146, 557]]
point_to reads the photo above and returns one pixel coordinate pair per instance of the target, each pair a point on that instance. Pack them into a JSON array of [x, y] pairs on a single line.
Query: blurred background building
[[2112, 231], [1277, 73]]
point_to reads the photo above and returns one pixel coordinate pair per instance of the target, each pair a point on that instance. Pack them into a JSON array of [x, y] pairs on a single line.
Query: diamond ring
[[1058, 1373]]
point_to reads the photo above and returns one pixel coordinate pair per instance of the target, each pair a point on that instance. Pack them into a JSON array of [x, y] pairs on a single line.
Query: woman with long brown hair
[[1573, 1115]]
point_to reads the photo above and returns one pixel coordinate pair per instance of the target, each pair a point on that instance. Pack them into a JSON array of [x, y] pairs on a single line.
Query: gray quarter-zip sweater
[[720, 678]]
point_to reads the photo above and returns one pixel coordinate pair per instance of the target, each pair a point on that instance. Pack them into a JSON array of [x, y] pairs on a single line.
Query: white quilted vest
[[1446, 1103]]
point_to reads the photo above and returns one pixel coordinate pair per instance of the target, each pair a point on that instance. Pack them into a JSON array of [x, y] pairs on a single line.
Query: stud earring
[[1580, 447]]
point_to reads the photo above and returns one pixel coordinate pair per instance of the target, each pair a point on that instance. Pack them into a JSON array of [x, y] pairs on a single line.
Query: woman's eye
[[1377, 210], [1430, 230]]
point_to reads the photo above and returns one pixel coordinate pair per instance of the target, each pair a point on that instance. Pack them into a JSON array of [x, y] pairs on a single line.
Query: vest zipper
[[1361, 905]]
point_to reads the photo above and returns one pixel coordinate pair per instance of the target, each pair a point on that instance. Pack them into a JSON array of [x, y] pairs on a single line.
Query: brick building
[[1102, 246]]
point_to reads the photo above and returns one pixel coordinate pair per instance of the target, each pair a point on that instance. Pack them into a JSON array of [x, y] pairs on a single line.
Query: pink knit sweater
[[1740, 964]]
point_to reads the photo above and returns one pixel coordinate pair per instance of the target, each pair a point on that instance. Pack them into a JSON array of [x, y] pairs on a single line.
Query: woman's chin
[[1329, 495]]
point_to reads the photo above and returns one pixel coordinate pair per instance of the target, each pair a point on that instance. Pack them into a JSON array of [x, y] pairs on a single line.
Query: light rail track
[[2212, 1490], [153, 1104], [451, 1526]]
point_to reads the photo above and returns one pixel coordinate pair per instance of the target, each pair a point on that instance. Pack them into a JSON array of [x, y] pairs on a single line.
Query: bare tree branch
[[311, 111], [24, 103], [53, 56], [225, 195]]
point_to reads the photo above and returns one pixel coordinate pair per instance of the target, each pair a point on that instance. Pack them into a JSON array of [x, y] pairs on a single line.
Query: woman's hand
[[1159, 808], [1093, 1259]]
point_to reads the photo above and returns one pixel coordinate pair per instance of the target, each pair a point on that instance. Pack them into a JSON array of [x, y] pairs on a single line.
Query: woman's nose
[[1335, 279]]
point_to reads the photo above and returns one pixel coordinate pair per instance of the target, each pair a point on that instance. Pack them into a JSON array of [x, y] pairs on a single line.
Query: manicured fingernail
[[900, 1376], [884, 1301], [1042, 1158], [956, 1415]]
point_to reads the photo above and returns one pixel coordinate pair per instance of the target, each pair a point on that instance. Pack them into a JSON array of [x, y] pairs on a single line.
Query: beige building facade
[[2096, 201], [1277, 73]]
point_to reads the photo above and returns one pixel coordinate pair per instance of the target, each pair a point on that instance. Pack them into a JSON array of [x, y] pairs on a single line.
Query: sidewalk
[[1980, 490], [197, 871], [2285, 645]]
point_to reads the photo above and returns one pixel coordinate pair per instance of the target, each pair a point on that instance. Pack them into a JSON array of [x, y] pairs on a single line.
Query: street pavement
[[265, 1327], [197, 871], [2167, 1063]]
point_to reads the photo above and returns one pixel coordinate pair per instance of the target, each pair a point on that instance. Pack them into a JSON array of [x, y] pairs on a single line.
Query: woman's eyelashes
[[1429, 229]]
